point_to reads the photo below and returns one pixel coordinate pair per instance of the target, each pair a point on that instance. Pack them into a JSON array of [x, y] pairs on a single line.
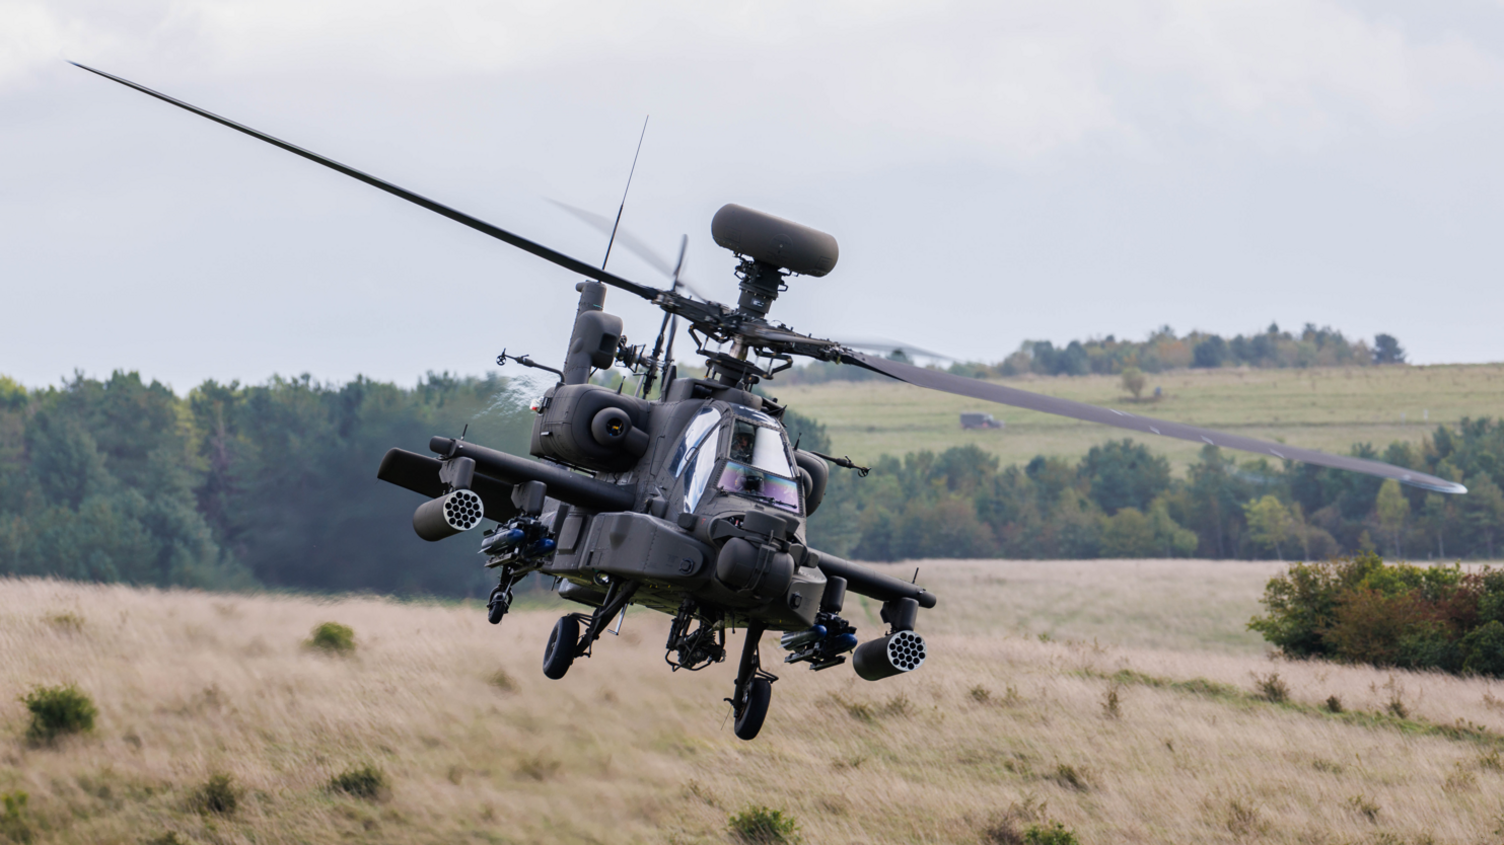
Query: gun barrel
[[885, 588]]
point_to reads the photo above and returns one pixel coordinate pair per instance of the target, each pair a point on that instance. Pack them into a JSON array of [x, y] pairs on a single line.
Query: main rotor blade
[[635, 245], [559, 258], [881, 344], [936, 380]]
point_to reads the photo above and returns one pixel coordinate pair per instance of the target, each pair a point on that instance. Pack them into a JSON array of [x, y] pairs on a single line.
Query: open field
[[999, 730], [1326, 408]]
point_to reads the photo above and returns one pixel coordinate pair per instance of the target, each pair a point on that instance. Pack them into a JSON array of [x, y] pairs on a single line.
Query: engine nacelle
[[591, 426]]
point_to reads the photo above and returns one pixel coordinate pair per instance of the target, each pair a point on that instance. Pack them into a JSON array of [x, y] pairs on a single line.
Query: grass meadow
[[1120, 698], [1328, 408]]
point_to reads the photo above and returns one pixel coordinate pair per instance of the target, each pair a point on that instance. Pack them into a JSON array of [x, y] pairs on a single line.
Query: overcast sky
[[994, 172]]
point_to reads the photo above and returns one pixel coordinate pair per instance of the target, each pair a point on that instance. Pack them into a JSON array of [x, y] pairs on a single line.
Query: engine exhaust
[[889, 656]]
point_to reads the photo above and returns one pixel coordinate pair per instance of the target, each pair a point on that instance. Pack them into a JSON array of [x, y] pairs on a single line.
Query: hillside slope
[[1321, 408]]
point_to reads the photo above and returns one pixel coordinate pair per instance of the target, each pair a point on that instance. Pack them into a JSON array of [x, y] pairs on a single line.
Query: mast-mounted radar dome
[[773, 240]]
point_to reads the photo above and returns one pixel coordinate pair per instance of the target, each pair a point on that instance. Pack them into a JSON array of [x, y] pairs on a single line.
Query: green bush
[[13, 822], [764, 826], [217, 795], [333, 638], [1050, 833], [366, 782], [58, 710], [1359, 610]]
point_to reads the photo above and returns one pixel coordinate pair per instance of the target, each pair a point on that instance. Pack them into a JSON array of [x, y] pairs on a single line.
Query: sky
[[993, 172]]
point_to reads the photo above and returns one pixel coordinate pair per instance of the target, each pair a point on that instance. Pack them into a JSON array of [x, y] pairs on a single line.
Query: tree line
[[1121, 500], [1162, 350], [273, 485], [235, 485]]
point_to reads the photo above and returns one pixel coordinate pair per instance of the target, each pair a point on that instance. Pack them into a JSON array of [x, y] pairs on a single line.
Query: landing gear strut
[[565, 642], [754, 688]]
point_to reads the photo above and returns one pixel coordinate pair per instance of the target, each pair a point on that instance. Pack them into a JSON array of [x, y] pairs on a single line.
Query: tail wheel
[[759, 693], [559, 653]]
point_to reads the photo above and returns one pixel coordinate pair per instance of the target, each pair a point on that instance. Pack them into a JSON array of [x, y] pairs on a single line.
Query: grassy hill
[[1323, 408], [1133, 720]]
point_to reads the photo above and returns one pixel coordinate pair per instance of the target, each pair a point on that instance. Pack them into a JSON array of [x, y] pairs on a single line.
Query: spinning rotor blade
[[961, 386], [882, 344], [636, 246], [482, 226]]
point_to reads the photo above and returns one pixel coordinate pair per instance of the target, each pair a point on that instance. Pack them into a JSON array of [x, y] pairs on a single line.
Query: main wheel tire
[[559, 653], [758, 696]]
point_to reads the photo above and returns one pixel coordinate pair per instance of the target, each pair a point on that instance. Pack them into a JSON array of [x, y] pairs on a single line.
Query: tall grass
[[191, 686]]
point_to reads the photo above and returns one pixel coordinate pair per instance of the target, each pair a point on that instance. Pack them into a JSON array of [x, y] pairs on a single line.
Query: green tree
[[1483, 508], [1128, 533], [1124, 474], [1133, 381], [1269, 522], [1391, 509]]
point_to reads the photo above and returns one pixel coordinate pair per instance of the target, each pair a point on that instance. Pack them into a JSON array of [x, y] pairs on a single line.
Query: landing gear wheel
[[559, 653], [501, 602], [759, 693]]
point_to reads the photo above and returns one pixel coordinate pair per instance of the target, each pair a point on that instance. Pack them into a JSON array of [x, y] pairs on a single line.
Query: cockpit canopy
[[747, 453]]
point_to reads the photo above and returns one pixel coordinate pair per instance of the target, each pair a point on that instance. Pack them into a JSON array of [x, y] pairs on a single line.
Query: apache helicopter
[[694, 503]]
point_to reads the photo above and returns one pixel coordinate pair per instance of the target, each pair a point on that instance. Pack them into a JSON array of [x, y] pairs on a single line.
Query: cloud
[[1001, 82]]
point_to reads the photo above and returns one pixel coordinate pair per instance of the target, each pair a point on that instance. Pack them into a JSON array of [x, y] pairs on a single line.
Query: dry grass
[[1325, 408], [998, 725]]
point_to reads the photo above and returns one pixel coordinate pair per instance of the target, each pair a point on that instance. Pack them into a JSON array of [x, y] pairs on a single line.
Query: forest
[[273, 485]]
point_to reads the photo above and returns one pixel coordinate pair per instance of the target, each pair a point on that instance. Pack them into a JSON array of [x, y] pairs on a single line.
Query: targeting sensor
[[773, 240]]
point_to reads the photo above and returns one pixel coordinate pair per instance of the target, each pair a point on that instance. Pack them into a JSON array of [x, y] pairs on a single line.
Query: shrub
[[70, 622], [58, 710], [333, 638], [1365, 807], [1272, 688], [1483, 650], [217, 795], [1070, 777], [366, 782], [764, 826], [1333, 704], [1050, 833], [1360, 610], [13, 822], [538, 767], [1112, 703], [1003, 830]]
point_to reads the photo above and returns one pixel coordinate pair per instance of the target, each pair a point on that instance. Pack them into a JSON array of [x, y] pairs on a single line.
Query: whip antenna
[[623, 206]]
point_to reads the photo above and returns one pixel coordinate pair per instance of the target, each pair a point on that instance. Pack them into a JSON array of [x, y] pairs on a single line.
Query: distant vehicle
[[979, 421]]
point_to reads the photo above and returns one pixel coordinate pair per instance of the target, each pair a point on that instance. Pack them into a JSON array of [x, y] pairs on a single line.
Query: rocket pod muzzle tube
[[892, 655], [448, 515]]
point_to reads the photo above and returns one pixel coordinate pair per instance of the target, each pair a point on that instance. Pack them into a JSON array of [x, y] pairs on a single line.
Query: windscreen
[[743, 480], [698, 427]]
